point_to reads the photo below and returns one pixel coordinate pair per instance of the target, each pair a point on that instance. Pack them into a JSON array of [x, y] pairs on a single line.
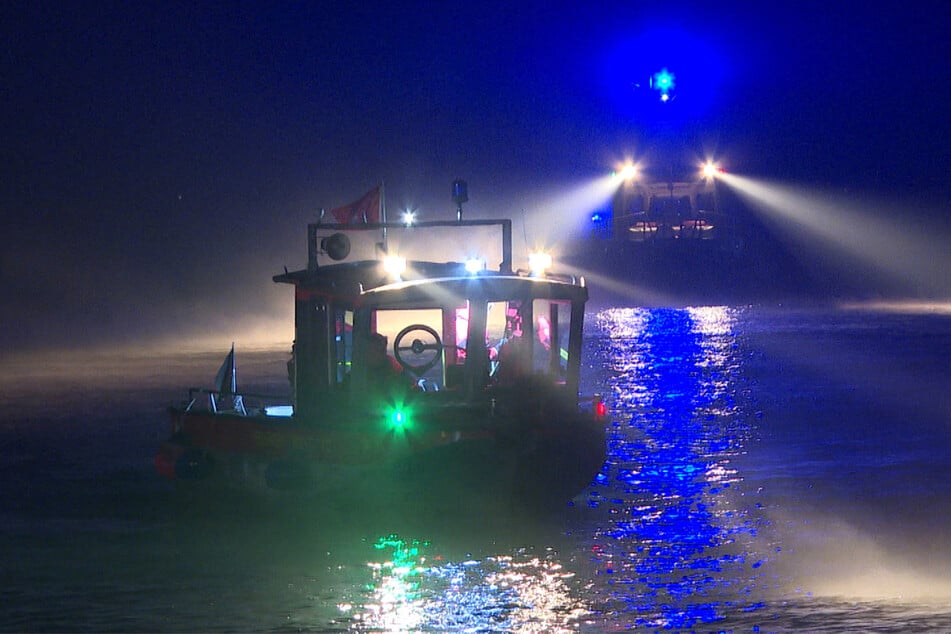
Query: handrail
[[260, 400]]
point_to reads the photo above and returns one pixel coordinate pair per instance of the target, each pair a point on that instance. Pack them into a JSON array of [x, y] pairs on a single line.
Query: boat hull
[[540, 465]]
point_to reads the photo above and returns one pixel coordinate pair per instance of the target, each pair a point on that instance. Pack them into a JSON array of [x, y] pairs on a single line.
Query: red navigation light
[[600, 408]]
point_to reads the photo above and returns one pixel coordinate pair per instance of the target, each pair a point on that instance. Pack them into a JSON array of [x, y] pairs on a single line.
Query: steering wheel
[[426, 342]]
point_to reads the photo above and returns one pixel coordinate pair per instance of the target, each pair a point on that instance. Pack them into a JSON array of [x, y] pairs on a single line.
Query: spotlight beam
[[875, 237], [566, 210]]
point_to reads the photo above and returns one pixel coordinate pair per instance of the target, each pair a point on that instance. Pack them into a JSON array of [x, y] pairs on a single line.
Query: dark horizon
[[162, 161]]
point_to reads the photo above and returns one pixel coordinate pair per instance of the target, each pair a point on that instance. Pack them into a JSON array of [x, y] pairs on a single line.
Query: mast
[[383, 214]]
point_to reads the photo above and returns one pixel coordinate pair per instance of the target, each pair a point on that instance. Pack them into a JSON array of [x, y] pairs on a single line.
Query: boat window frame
[[475, 384]]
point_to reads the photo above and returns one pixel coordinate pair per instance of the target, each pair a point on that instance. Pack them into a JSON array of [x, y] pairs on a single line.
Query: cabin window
[[706, 202], [528, 338], [552, 327], [504, 340], [414, 337], [457, 331], [462, 331], [343, 343], [502, 321]]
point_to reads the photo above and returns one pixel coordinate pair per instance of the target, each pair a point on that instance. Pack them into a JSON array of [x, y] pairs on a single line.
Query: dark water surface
[[767, 471]]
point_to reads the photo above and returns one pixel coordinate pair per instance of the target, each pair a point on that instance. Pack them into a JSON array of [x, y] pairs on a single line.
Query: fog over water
[[778, 452], [767, 470], [162, 162]]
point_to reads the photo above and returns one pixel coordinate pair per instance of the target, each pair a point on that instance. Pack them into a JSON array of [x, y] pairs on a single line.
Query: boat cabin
[[687, 210], [455, 332]]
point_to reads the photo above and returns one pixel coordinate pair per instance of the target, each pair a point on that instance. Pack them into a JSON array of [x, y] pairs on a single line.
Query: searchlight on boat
[[710, 169], [538, 263], [475, 265], [628, 172], [394, 265]]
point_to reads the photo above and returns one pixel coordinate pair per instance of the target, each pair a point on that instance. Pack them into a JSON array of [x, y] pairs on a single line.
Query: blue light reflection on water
[[672, 537], [680, 545]]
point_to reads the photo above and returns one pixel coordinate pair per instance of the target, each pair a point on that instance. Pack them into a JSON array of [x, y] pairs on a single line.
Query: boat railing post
[[311, 247], [506, 266]]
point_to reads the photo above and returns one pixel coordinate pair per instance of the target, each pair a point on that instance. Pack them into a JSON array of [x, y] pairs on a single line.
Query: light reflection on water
[[703, 517], [408, 592], [666, 537], [680, 544]]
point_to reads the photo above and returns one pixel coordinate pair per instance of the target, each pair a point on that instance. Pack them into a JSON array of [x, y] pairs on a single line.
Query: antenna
[[524, 228]]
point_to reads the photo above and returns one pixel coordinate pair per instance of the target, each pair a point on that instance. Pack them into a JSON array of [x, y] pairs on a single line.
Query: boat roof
[[426, 280], [365, 275], [672, 188], [486, 286]]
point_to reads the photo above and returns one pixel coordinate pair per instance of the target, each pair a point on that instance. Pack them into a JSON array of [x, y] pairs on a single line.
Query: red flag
[[367, 209]]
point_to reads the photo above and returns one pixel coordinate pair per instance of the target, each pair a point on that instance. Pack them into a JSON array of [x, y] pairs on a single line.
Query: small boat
[[436, 378]]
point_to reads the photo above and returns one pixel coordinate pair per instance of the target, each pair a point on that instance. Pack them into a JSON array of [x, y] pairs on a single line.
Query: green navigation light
[[398, 419]]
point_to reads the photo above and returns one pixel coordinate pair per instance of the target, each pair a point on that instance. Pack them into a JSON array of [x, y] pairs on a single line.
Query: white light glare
[[539, 262], [709, 169], [394, 265], [628, 172], [409, 217], [474, 265]]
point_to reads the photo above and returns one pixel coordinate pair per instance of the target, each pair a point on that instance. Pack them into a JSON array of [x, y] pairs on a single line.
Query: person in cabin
[[384, 373], [507, 358], [379, 363], [292, 363]]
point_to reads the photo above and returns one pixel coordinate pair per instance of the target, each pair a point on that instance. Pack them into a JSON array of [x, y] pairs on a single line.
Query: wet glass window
[[552, 326], [415, 339], [504, 338], [343, 343]]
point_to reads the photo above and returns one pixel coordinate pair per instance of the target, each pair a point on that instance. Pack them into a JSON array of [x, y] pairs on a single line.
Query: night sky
[[161, 161]]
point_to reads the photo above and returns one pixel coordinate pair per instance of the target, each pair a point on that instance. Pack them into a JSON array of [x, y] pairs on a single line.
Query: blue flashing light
[[698, 63], [664, 82], [601, 216]]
